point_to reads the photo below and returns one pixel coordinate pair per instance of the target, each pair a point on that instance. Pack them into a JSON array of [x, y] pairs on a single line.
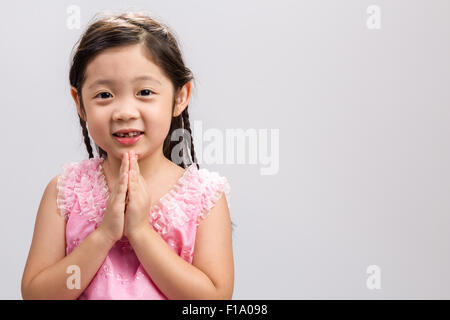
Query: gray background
[[363, 115]]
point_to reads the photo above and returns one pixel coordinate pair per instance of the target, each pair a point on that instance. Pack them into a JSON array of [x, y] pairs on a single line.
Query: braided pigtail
[[87, 140], [187, 127]]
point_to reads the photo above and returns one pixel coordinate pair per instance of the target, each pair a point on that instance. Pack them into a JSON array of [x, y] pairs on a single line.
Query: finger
[[127, 162], [142, 186], [124, 182], [138, 171], [124, 174], [123, 165], [121, 188], [133, 170], [134, 176], [132, 165], [117, 187]]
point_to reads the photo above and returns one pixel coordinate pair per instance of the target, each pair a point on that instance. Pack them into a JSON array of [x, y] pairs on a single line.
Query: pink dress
[[82, 196]]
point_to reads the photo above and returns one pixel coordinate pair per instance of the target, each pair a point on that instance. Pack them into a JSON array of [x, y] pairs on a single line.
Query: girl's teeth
[[128, 134]]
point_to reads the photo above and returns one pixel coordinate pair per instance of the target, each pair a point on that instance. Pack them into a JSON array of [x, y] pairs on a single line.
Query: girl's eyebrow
[[111, 82]]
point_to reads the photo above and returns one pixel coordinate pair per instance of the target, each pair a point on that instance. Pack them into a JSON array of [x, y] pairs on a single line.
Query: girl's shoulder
[[207, 183], [213, 182], [211, 186], [191, 198], [84, 171], [77, 168], [82, 166]]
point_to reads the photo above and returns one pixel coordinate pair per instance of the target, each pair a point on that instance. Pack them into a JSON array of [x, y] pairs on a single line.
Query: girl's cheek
[[99, 135], [158, 131], [158, 127]]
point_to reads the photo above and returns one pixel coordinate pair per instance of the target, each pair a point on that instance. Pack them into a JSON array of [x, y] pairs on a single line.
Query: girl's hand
[[138, 205], [113, 220]]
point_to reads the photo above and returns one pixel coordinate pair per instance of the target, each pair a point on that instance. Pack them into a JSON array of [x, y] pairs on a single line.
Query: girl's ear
[[76, 98], [182, 99]]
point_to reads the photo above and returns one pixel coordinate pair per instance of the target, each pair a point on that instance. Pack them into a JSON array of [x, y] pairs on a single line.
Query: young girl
[[130, 224]]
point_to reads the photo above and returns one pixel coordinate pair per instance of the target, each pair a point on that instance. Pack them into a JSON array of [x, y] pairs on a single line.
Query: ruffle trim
[[190, 199], [82, 182], [176, 207], [65, 201], [214, 188], [179, 205]]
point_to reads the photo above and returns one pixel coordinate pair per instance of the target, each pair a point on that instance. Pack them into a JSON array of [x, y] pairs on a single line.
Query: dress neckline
[[169, 194]]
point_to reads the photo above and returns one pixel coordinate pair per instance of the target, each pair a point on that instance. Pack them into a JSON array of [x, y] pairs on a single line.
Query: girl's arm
[[211, 274], [45, 275]]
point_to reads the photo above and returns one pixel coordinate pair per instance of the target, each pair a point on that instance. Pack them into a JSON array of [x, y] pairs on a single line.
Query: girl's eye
[[146, 92], [103, 94]]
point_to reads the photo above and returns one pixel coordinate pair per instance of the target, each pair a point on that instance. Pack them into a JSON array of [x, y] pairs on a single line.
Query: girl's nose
[[125, 113]]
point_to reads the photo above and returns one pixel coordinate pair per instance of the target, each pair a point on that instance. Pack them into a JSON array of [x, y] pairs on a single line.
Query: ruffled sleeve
[[213, 186], [65, 186]]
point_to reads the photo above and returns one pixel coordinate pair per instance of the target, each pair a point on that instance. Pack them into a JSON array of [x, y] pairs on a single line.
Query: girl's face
[[125, 89]]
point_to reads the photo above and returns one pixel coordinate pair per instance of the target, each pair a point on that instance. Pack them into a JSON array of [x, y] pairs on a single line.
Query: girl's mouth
[[128, 140]]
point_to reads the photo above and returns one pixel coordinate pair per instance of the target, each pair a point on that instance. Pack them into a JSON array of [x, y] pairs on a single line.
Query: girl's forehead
[[125, 63]]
